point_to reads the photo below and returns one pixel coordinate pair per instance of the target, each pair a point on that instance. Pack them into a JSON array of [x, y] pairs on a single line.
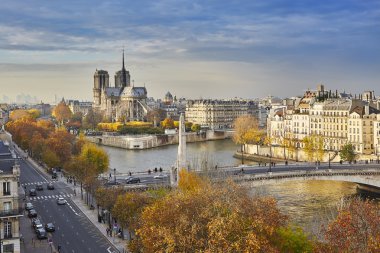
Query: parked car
[[28, 206], [37, 227], [32, 192], [35, 222], [111, 183], [50, 186], [49, 227], [160, 176], [132, 180], [32, 213], [39, 187], [41, 233], [61, 201]]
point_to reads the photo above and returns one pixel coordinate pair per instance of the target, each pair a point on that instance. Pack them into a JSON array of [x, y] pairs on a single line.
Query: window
[[7, 206], [7, 229], [6, 188]]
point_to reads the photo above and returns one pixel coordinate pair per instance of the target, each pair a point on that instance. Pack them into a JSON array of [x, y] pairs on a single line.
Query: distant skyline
[[194, 49]]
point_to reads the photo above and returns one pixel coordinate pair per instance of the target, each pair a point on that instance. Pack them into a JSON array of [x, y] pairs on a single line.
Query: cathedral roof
[[113, 91], [134, 92]]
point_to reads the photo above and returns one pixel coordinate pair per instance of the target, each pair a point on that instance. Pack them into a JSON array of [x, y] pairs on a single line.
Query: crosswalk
[[46, 197], [34, 183]]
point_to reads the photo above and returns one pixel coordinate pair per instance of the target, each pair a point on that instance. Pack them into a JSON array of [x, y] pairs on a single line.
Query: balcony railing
[[11, 212], [7, 236]]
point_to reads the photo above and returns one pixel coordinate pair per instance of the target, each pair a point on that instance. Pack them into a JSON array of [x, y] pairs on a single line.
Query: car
[[35, 222], [61, 201], [28, 206], [111, 183], [32, 192], [32, 213], [39, 187], [132, 180], [160, 176], [49, 227], [50, 186], [37, 227], [41, 233]]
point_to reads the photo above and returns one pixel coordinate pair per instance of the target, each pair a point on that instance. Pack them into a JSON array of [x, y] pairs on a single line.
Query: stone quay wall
[[152, 141]]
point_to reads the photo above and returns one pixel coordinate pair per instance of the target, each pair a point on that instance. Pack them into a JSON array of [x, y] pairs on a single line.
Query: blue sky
[[208, 49]]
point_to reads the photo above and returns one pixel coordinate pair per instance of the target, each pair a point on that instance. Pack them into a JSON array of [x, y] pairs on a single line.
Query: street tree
[[348, 153], [313, 147], [247, 131], [95, 158]]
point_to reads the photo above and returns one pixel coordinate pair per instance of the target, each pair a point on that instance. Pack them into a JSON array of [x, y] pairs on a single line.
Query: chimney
[[336, 93], [366, 109]]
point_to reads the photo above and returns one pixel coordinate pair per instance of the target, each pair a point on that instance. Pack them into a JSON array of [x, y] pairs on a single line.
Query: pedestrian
[[59, 248], [108, 231], [130, 173], [75, 193], [160, 169], [110, 175]]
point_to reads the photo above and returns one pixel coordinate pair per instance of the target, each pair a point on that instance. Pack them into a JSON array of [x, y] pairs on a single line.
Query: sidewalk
[[118, 243]]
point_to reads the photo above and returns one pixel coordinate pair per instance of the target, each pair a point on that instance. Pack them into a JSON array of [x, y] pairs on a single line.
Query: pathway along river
[[306, 202]]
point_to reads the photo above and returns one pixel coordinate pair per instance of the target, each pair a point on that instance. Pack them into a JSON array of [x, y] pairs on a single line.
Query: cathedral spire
[[123, 61], [123, 74]]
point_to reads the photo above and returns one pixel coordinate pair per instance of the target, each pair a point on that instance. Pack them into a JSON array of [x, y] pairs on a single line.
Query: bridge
[[366, 176]]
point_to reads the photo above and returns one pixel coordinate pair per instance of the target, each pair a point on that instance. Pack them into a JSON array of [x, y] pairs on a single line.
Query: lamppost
[[329, 160], [377, 153], [270, 157], [114, 174]]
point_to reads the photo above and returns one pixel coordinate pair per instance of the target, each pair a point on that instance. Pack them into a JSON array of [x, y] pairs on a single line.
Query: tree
[[348, 153], [62, 112], [92, 119], [313, 147], [195, 127], [247, 131], [208, 218], [168, 123], [355, 229], [156, 114], [19, 114], [95, 158]]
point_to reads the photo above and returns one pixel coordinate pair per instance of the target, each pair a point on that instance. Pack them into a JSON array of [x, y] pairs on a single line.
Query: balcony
[[7, 236], [12, 212]]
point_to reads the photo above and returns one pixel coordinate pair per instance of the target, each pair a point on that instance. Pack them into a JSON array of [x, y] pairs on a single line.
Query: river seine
[[306, 202]]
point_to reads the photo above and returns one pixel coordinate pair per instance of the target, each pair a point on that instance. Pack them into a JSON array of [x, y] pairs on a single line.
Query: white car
[[61, 201], [160, 176]]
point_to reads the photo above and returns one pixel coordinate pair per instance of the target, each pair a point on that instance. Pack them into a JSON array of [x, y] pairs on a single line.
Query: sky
[[192, 48]]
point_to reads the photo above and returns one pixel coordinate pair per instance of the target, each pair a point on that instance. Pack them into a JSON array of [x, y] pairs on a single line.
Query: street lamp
[[270, 157], [329, 160], [114, 173], [377, 153]]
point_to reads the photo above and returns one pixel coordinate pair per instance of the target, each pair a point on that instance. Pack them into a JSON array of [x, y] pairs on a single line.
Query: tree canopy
[[348, 153]]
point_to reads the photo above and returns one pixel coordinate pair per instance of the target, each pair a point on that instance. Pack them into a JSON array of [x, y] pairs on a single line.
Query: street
[[74, 231]]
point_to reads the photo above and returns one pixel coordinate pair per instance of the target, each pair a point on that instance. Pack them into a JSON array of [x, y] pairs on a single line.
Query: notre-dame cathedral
[[121, 102]]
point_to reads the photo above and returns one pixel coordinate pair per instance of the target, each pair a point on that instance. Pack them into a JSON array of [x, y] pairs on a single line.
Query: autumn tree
[[355, 229], [19, 114], [95, 157], [195, 127], [202, 217], [168, 123], [247, 131], [348, 153], [61, 143], [62, 112], [313, 147]]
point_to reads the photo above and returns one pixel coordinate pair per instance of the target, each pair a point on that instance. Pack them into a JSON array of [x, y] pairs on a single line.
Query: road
[[74, 232]]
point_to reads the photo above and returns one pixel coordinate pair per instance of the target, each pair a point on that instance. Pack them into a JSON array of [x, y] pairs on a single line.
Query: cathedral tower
[[101, 81]]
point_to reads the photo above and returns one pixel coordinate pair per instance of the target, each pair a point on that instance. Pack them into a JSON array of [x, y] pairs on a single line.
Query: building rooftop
[[6, 159]]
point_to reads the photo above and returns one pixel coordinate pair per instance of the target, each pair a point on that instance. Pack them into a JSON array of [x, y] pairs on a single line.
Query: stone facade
[[219, 114], [10, 209]]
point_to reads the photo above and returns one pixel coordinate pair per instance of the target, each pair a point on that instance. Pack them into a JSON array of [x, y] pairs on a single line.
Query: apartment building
[[218, 114], [10, 208]]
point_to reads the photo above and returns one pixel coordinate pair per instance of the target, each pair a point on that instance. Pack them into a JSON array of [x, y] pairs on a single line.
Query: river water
[[305, 202]]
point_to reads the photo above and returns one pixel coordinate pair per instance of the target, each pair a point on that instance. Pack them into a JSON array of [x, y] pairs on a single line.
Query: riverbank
[[152, 141]]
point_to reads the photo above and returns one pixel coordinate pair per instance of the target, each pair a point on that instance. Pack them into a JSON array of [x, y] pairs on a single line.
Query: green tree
[[348, 153], [313, 147], [293, 239]]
